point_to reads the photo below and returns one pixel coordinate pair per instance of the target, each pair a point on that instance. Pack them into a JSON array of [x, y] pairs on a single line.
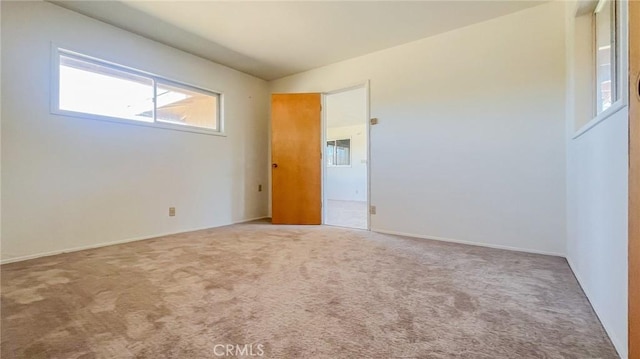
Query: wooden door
[[296, 159], [634, 179]]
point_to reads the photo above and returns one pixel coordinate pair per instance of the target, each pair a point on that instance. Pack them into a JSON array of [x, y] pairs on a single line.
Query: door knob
[[274, 165]]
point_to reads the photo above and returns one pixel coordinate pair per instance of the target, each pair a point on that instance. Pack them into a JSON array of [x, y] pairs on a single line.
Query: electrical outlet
[[259, 188], [172, 211], [372, 210]]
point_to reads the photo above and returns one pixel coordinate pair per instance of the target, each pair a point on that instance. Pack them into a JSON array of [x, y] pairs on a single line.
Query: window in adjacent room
[[339, 152], [96, 89]]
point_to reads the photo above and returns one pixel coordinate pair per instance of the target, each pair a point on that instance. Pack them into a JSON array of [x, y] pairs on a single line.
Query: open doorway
[[346, 152]]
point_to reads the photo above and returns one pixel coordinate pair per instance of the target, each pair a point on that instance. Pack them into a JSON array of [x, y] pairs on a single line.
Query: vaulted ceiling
[[274, 39]]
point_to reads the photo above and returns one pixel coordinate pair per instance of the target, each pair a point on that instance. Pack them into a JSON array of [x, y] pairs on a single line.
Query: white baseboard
[[250, 219], [111, 243], [480, 244], [617, 343]]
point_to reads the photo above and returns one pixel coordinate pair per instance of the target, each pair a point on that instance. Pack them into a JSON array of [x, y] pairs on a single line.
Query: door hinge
[[374, 121]]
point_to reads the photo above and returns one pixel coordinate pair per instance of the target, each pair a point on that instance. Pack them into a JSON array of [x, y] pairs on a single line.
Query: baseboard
[[616, 341], [250, 219], [479, 244], [106, 244]]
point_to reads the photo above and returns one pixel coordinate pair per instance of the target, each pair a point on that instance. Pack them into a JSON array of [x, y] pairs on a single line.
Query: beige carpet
[[300, 292]]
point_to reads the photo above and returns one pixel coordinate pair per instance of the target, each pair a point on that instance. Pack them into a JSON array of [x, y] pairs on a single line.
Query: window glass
[[99, 90], [343, 152], [605, 46], [339, 152], [183, 106], [330, 153]]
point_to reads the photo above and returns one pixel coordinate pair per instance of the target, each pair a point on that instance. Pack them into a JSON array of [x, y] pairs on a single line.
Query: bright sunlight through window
[[606, 54], [95, 89]]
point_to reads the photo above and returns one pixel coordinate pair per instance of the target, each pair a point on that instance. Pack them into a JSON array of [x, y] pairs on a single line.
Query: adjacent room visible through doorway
[[345, 160]]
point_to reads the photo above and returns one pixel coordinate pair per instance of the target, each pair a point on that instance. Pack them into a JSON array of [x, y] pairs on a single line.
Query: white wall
[[349, 183], [597, 191], [0, 134], [597, 221], [470, 144], [70, 182]]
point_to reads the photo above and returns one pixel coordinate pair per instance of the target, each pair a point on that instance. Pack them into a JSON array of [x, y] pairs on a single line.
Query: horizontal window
[[339, 152], [95, 89]]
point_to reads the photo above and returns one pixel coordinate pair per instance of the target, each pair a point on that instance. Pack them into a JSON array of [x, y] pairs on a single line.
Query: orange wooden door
[[634, 180], [296, 159]]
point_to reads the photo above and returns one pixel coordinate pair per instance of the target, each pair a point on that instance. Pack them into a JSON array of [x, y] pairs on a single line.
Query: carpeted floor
[[296, 292]]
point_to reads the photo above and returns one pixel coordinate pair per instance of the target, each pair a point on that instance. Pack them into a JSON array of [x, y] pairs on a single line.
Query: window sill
[[617, 106], [124, 121]]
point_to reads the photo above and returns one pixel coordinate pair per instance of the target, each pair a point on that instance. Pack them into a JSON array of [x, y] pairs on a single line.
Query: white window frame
[[335, 149], [55, 95], [615, 86], [622, 85]]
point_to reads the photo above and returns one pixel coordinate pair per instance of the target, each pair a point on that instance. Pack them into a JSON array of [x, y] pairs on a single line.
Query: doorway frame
[[362, 84]]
